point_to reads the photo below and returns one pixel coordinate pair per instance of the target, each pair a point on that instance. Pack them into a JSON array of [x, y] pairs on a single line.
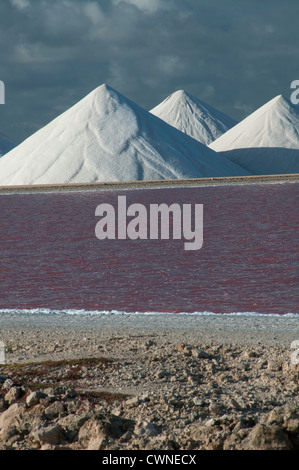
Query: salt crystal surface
[[267, 141], [106, 137], [194, 117]]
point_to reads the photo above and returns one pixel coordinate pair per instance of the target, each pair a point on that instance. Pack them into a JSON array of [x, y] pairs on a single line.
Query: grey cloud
[[20, 4], [234, 55]]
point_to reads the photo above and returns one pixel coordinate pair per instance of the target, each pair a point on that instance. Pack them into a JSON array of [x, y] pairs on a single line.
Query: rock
[[50, 392], [198, 401], [262, 364], [72, 423], [145, 397], [52, 434], [200, 354], [286, 417], [8, 383], [190, 379], [215, 409], [249, 354], [11, 415], [2, 404], [34, 398], [47, 447], [96, 432], [92, 435], [210, 422], [187, 351], [234, 404], [263, 437], [54, 410], [175, 402], [72, 406], [56, 391], [148, 344], [13, 394], [160, 374], [144, 428], [10, 435], [70, 393], [274, 366], [233, 442], [131, 402], [208, 437]]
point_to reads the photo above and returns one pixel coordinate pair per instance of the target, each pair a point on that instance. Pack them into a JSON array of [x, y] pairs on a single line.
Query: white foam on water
[[47, 311]]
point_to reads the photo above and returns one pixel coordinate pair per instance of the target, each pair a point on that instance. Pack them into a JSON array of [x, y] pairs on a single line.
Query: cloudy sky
[[233, 54]]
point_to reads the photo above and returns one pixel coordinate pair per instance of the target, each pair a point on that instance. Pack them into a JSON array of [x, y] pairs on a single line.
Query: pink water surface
[[249, 262]]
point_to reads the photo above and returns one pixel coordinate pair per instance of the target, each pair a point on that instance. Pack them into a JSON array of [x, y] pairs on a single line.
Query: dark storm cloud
[[233, 54]]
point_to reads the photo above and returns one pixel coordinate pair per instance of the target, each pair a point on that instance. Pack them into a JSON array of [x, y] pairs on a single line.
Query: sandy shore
[[33, 336]]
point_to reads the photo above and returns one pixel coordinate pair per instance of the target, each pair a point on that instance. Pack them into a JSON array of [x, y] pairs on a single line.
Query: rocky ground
[[145, 391]]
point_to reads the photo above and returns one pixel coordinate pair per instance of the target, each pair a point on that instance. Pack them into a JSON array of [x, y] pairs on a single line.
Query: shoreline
[[208, 330], [196, 182]]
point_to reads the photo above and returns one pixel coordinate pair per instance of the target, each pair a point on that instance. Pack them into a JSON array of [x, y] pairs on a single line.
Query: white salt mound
[[194, 117], [267, 141], [5, 144], [106, 137]]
